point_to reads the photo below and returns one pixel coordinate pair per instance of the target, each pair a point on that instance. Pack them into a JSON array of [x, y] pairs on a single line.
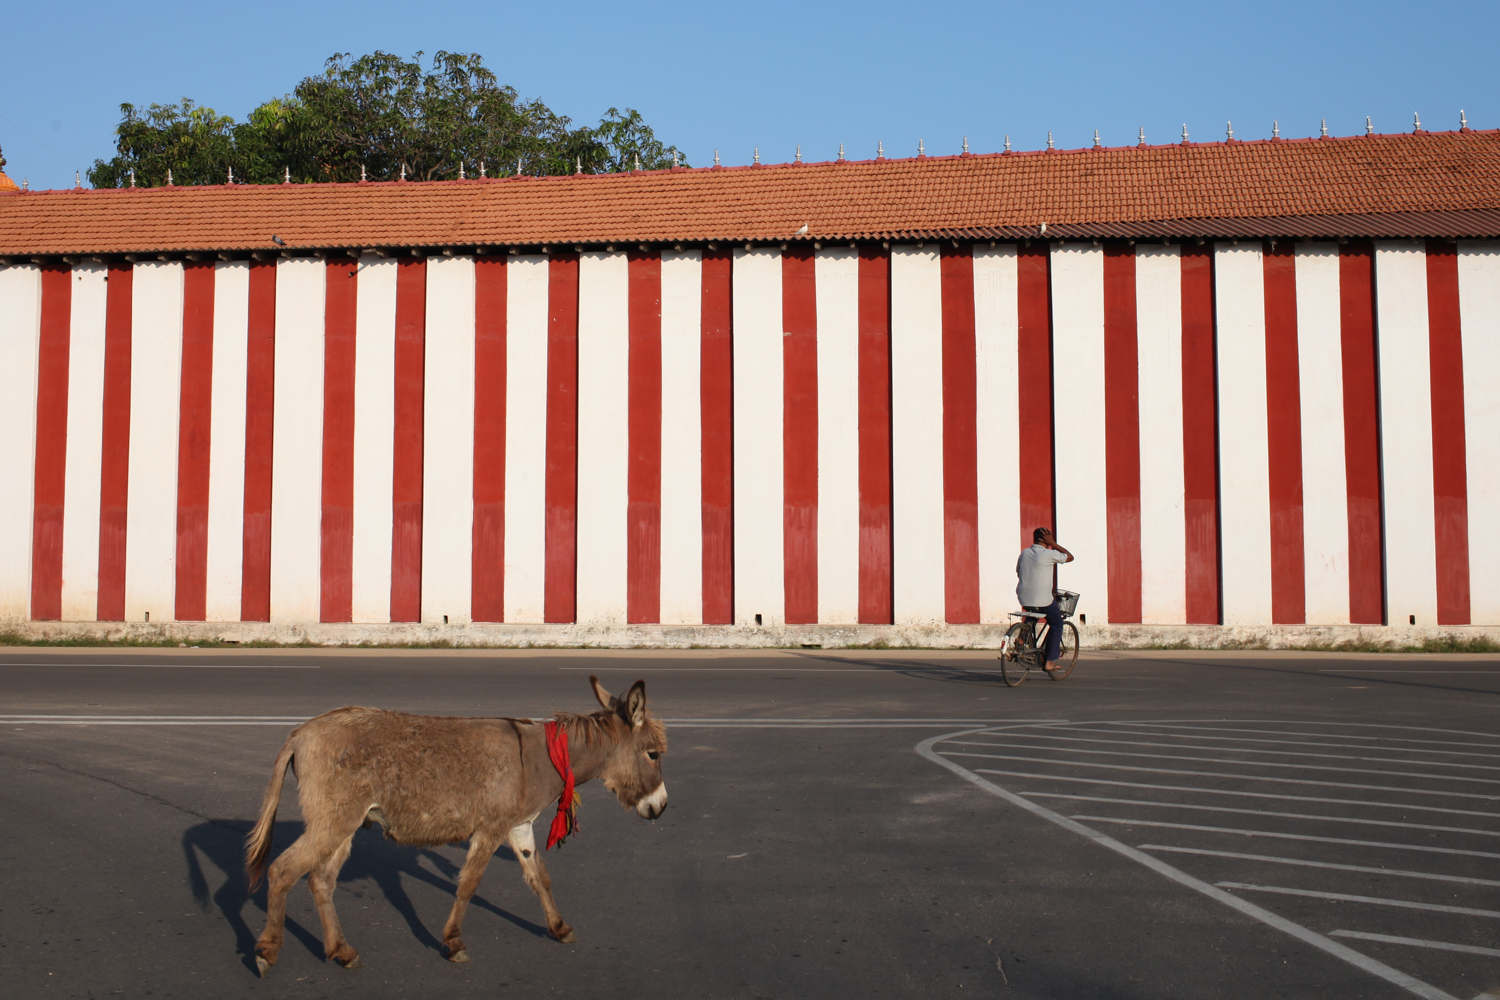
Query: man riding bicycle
[[1034, 589]]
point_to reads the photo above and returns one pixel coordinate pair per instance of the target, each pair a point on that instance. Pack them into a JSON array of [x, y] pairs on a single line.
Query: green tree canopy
[[382, 114]]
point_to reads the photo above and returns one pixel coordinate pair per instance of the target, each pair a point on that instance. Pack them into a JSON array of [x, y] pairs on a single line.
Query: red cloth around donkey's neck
[[565, 823]]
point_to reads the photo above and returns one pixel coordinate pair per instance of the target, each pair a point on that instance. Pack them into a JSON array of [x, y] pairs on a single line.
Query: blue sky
[[776, 75]]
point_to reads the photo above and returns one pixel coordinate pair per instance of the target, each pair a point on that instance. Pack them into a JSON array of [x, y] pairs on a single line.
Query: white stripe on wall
[[1325, 494], [1403, 359], [681, 437], [155, 417], [374, 438], [448, 443], [226, 461], [918, 566], [1244, 455], [20, 338], [1158, 305], [758, 527], [1479, 315], [525, 437], [603, 435], [998, 426], [1078, 394], [297, 426], [837, 283], [80, 550]]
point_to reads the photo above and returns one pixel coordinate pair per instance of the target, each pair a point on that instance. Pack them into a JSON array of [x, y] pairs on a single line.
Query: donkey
[[430, 780]]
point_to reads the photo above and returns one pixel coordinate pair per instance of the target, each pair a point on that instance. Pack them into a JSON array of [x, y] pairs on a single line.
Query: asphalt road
[[1159, 825]]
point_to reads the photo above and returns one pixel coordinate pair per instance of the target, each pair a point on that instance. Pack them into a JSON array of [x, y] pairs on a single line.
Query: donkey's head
[[632, 768]]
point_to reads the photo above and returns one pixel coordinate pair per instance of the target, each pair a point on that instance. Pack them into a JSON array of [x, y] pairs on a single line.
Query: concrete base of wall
[[744, 636]]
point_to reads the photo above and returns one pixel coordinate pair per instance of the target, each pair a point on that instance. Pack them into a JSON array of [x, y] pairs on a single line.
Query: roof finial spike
[[1141, 139], [1323, 129], [287, 177], [966, 144], [1369, 126], [921, 149], [880, 150], [1275, 129], [841, 152], [231, 174], [1184, 132], [577, 164], [361, 173], [757, 154], [518, 167], [1007, 142], [132, 176], [1463, 121], [461, 175], [675, 160], [1417, 118], [1096, 138], [169, 177], [1229, 131], [1050, 144], [483, 171], [799, 154], [716, 157], [78, 177], [637, 161]]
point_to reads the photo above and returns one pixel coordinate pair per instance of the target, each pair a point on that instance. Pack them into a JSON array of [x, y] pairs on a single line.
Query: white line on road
[[1289, 836], [1227, 791], [1383, 670], [179, 666], [786, 670], [1263, 812], [1433, 876], [1467, 949], [1349, 955], [1467, 911], [1300, 743], [1363, 725]]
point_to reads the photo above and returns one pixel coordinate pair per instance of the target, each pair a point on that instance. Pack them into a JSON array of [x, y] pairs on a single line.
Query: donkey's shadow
[[374, 858]]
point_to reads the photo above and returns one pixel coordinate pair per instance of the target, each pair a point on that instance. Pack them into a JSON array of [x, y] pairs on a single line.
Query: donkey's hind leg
[[306, 852], [524, 844], [322, 880], [481, 849]]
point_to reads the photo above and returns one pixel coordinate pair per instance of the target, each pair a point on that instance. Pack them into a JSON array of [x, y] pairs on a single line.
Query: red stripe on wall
[[1122, 434], [1200, 436], [1361, 433], [114, 479], [1450, 477], [560, 597], [799, 435], [1284, 437], [336, 597], [194, 441], [406, 492], [490, 299], [717, 393], [50, 480], [960, 439], [643, 475], [1034, 389], [260, 398], [876, 593]]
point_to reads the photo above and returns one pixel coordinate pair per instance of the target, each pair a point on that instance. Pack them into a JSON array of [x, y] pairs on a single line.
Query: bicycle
[[1024, 647]]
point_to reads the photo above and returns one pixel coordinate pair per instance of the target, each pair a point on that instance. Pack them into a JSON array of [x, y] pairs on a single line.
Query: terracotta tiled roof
[[1105, 191]]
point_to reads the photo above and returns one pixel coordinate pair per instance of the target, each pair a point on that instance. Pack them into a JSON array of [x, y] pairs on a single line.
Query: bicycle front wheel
[[1013, 657], [1068, 655]]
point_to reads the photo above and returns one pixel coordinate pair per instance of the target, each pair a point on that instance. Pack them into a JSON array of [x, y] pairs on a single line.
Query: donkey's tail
[[258, 843]]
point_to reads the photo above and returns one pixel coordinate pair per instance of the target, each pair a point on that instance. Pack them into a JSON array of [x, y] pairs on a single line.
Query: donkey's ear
[[605, 698], [634, 706]]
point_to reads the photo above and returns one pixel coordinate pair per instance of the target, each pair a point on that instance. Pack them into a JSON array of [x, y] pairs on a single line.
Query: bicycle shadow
[[221, 843]]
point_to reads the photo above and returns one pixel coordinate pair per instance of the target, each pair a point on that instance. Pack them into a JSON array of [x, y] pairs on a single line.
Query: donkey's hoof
[[353, 963], [461, 955], [262, 967], [563, 933]]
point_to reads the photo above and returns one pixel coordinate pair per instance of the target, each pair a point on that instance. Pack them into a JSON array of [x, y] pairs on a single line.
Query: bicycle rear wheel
[[1013, 658], [1068, 654]]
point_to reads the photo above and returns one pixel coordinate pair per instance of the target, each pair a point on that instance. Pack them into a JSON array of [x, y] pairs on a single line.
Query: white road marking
[[1361, 961], [1320, 864], [1300, 743], [1225, 760], [1220, 774], [1249, 795], [1467, 949], [1290, 836], [178, 666], [1385, 739], [1383, 670], [1342, 897], [787, 670], [1263, 812]]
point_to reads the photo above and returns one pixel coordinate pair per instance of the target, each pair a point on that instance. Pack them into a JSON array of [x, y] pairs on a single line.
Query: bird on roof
[[802, 231]]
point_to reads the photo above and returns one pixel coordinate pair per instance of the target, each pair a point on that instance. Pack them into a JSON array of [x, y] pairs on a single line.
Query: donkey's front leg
[[481, 848], [524, 844]]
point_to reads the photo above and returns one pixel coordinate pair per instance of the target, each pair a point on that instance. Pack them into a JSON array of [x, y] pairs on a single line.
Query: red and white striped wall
[[1243, 433]]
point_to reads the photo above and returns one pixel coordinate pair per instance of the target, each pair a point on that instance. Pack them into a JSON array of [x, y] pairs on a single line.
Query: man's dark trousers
[[1054, 629]]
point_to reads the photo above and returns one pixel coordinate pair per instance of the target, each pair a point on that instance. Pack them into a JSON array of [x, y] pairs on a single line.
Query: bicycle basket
[[1067, 602]]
